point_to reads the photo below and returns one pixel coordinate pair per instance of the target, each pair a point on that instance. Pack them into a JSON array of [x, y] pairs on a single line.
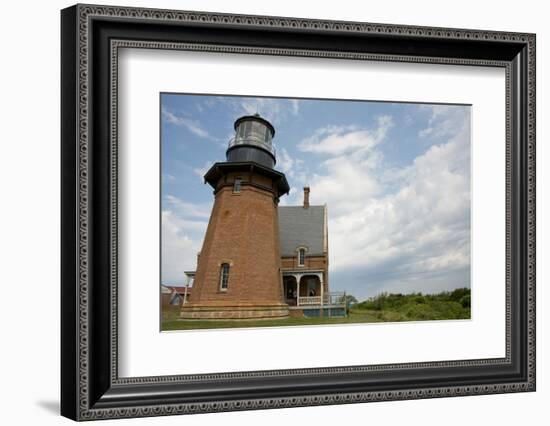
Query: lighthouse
[[238, 272]]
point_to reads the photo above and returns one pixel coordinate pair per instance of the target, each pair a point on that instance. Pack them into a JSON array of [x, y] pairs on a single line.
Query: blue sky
[[395, 178]]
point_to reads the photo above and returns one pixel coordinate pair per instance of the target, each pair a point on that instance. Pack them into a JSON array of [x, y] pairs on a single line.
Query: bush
[[457, 294], [415, 306], [465, 301], [419, 299]]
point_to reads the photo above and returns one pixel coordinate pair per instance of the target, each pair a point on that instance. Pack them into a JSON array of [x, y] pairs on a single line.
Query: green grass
[[177, 324], [382, 308]]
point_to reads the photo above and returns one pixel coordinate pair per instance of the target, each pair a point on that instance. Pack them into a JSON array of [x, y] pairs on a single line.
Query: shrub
[[458, 294], [416, 306], [465, 301], [419, 299]]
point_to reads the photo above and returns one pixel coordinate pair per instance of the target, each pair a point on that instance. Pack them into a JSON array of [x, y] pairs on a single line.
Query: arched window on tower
[[224, 276], [301, 257]]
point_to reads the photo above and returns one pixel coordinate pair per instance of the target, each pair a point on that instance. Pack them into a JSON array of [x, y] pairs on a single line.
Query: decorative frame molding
[[91, 37]]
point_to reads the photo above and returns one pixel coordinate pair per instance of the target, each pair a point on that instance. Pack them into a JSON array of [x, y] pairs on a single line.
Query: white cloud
[[445, 120], [192, 125], [412, 220], [336, 140], [179, 250], [296, 171], [347, 161], [295, 105], [290, 166], [275, 110], [201, 171], [188, 210], [345, 184], [167, 177], [183, 228]]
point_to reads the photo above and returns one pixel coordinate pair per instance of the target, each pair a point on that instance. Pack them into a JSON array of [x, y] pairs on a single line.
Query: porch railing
[[336, 298], [309, 300]]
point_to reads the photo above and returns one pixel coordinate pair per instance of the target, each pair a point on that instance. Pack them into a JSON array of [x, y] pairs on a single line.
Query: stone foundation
[[296, 313], [209, 312]]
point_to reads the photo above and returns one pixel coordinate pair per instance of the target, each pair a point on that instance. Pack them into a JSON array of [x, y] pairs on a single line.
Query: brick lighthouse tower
[[239, 267]]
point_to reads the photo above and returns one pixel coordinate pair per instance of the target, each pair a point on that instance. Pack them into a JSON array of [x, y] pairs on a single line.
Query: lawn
[[170, 322], [382, 308]]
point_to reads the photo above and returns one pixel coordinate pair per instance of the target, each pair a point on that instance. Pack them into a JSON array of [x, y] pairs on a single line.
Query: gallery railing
[[252, 140]]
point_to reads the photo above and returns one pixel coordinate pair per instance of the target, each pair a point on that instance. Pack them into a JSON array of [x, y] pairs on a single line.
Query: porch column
[[187, 279], [322, 293], [322, 285], [297, 289]]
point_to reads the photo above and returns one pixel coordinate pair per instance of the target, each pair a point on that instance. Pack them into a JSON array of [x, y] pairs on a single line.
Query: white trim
[[300, 273], [302, 257], [325, 230], [222, 288], [298, 251]]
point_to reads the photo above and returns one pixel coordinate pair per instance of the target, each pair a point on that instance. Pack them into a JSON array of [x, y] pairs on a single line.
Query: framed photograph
[[250, 250], [263, 212]]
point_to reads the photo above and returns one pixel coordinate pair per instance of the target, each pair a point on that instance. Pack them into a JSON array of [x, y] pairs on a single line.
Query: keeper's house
[[259, 259]]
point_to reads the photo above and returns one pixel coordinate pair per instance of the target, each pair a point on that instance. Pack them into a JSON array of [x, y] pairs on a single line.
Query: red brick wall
[[315, 263], [243, 231], [311, 262]]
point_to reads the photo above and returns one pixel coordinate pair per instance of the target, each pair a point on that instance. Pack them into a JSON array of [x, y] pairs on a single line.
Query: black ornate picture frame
[[91, 387]]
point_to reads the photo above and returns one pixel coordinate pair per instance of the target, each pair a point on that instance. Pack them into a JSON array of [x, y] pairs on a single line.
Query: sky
[[395, 178]]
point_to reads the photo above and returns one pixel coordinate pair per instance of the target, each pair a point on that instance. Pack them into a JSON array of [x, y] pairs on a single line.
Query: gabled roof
[[303, 227]]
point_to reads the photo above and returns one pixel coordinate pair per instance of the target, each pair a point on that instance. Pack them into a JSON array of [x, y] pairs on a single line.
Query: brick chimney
[[306, 197]]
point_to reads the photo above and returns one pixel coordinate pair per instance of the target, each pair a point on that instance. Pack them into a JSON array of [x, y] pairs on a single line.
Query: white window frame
[[300, 251], [226, 275]]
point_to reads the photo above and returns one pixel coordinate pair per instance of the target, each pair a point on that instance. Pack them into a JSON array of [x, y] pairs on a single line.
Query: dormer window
[[237, 185], [301, 257]]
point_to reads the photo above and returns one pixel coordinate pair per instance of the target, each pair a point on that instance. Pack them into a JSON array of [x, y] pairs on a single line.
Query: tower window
[[301, 257], [237, 185], [224, 276]]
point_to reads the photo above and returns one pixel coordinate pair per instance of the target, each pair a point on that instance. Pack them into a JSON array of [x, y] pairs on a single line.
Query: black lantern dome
[[252, 141]]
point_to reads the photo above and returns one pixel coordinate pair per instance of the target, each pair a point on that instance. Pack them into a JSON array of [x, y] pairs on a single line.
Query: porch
[[305, 291]]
